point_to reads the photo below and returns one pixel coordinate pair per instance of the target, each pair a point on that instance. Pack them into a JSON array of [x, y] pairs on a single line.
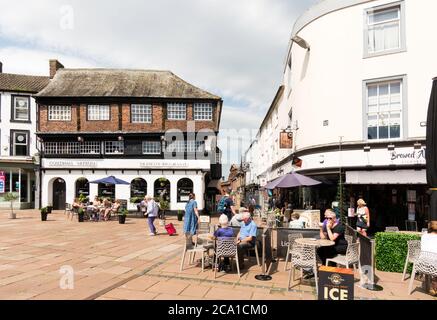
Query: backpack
[[221, 205]]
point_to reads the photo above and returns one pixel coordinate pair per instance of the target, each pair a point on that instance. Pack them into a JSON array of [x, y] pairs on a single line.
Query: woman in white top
[[429, 244], [363, 214]]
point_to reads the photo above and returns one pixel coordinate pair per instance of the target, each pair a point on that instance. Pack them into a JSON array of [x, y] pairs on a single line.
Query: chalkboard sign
[[282, 238]]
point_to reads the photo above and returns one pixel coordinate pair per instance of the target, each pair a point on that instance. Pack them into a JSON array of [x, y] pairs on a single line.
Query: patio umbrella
[[292, 180], [110, 180], [431, 151]]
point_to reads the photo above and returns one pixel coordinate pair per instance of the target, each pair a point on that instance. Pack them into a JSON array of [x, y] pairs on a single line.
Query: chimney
[[1, 67], [55, 65]]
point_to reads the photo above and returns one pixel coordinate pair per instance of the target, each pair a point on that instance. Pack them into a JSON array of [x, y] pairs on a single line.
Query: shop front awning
[[386, 177]]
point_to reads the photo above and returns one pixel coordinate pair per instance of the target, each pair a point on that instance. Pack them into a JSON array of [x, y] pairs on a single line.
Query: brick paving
[[112, 261]]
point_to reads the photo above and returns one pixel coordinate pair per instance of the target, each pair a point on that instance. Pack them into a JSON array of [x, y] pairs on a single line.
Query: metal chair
[[192, 250], [303, 257], [226, 248], [349, 239], [291, 240], [255, 248], [351, 258], [391, 229], [412, 254], [68, 209], [271, 220], [425, 264], [411, 225]]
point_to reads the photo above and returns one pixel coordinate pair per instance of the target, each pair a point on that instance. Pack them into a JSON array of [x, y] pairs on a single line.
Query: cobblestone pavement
[[114, 261]]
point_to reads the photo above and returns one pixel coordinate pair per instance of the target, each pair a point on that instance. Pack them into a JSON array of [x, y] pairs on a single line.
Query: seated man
[[246, 238], [296, 222]]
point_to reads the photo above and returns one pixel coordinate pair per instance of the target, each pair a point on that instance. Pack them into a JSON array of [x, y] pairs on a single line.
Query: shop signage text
[[416, 156], [70, 164], [2, 181], [336, 284]]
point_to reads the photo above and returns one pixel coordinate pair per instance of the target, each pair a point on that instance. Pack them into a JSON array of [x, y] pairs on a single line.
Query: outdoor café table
[[210, 244], [315, 242]]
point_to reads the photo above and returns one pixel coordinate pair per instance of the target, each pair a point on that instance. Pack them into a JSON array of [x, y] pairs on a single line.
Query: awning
[[386, 177]]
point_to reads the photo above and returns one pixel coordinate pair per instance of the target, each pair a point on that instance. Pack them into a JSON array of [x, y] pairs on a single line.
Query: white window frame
[[151, 147], [98, 112], [403, 102], [59, 113], [114, 147], [14, 143], [203, 112], [402, 32], [176, 111], [14, 108], [141, 113]]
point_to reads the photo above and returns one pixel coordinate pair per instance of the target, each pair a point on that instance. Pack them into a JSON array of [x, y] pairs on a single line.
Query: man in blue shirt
[[246, 238]]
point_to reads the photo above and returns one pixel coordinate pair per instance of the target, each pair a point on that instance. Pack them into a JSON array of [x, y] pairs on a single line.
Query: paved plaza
[[113, 261]]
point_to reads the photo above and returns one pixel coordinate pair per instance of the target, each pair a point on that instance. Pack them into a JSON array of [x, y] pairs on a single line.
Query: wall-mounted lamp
[[322, 159], [80, 139], [417, 146], [391, 147], [423, 124], [120, 138], [301, 42], [367, 149]]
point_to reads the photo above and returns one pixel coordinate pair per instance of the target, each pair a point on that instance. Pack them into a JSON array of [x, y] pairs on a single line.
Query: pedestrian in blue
[[191, 216]]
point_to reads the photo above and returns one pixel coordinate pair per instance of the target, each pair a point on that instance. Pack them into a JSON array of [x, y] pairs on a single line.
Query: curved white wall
[[327, 81]]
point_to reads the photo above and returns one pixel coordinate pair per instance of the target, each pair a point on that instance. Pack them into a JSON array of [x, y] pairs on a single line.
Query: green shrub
[[391, 251]]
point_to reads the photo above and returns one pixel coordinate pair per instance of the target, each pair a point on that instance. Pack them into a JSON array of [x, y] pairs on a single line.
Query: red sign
[[2, 181]]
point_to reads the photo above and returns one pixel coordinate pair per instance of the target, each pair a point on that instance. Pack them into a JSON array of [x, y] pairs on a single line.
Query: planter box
[[121, 219], [43, 216]]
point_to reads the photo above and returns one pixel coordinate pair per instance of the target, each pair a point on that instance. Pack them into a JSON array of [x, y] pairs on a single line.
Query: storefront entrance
[[59, 194]]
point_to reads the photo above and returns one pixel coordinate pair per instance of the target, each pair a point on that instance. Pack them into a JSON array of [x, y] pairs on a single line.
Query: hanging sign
[[286, 140]]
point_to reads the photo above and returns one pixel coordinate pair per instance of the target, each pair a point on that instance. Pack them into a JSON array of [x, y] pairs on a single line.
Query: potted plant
[[83, 198], [122, 216], [163, 206], [44, 214], [80, 214], [49, 208], [180, 215], [11, 197], [136, 200]]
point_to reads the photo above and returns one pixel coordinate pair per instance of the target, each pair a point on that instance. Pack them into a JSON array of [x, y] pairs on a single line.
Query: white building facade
[[18, 145], [357, 79]]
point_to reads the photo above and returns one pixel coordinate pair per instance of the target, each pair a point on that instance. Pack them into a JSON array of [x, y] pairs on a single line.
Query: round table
[[315, 242], [205, 236]]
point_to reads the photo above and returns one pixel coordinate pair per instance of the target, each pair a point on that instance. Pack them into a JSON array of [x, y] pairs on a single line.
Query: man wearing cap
[[246, 238]]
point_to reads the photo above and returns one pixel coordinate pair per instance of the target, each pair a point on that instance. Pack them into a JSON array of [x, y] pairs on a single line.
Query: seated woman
[[429, 244], [106, 210], [224, 232], [334, 232], [115, 207]]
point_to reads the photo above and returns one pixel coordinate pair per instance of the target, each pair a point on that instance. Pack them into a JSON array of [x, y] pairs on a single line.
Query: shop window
[[162, 189], [185, 187], [138, 188], [82, 187], [106, 191]]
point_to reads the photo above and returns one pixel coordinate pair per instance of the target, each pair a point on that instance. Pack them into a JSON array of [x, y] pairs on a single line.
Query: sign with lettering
[[336, 283], [2, 181], [408, 157]]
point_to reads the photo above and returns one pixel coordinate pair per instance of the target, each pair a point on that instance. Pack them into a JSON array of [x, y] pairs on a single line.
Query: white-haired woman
[[224, 232], [363, 214]]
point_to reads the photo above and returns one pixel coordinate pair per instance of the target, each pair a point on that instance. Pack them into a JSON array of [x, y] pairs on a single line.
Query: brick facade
[[123, 122]]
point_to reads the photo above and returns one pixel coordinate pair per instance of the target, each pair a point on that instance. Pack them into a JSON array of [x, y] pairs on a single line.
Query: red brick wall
[[99, 126], [159, 122], [57, 126]]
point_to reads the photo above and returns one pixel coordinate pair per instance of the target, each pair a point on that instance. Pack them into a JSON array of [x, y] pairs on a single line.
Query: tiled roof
[[121, 83], [22, 83]]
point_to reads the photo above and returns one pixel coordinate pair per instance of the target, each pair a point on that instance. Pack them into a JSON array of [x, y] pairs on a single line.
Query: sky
[[232, 48]]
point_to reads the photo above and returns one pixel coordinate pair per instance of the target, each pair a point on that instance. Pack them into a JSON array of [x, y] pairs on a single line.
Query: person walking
[[191, 217], [226, 205], [363, 223], [151, 214]]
